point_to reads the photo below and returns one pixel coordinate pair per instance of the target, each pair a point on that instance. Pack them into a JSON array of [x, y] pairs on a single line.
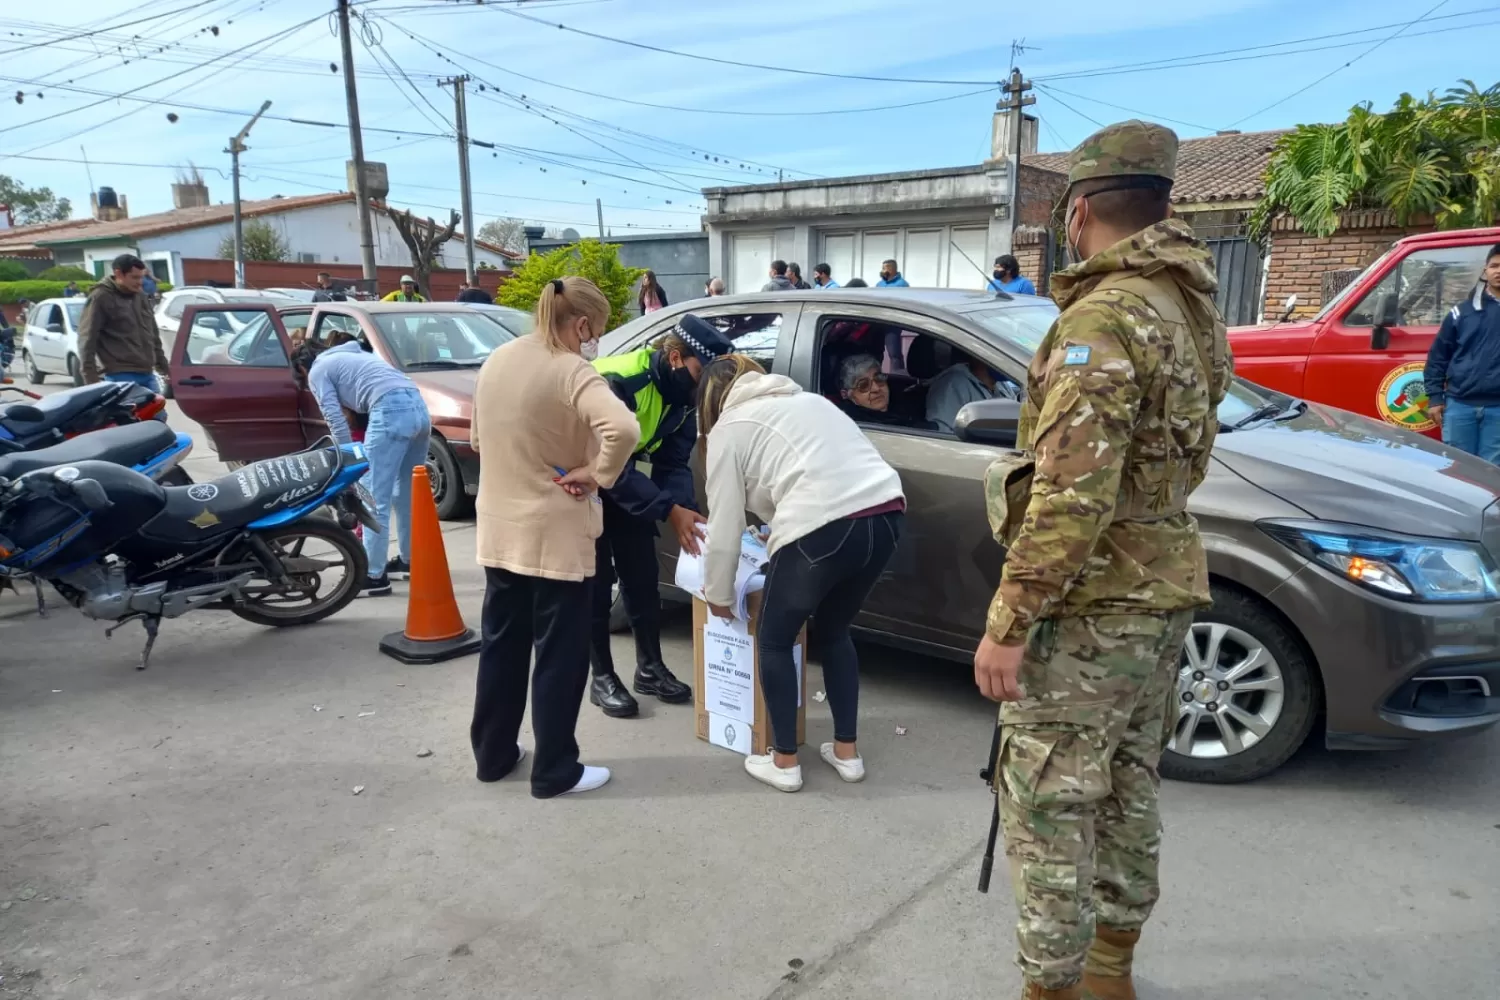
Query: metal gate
[[1238, 262]]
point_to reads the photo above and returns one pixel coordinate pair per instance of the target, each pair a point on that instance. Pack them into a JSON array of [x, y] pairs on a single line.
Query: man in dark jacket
[[118, 336], [779, 281], [659, 385], [1463, 369], [327, 291], [474, 294]]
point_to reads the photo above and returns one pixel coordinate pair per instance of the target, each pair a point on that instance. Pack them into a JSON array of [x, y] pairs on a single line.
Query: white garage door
[[925, 254], [750, 262]]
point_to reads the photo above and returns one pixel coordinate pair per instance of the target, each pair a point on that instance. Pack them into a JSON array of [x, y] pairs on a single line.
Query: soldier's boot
[[1036, 991], [1106, 973]]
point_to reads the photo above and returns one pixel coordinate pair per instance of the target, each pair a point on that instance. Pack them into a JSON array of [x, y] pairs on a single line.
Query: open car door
[[231, 372]]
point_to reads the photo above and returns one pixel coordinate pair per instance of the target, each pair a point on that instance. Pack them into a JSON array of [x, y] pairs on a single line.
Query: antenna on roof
[[87, 172], [999, 294]]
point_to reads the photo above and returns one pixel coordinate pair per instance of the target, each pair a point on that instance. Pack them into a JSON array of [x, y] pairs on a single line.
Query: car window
[[329, 322], [75, 314], [1425, 285], [47, 315], [862, 367], [440, 339], [754, 334], [179, 303], [1021, 327], [232, 337]]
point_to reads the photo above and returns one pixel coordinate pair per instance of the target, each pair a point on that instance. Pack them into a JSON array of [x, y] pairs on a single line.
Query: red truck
[[1365, 349]]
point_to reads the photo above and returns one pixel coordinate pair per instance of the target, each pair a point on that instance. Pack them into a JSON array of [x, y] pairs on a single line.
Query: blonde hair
[[713, 388], [669, 342], [564, 300]]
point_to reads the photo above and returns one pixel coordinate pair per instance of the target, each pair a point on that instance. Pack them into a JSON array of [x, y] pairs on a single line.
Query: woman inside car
[[836, 511], [866, 396]]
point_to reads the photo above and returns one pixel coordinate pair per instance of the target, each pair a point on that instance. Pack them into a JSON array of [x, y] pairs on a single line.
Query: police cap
[[702, 338]]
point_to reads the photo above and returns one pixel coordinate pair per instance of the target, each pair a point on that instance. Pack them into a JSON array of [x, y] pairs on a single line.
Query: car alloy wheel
[[75, 370], [34, 375], [1230, 692]]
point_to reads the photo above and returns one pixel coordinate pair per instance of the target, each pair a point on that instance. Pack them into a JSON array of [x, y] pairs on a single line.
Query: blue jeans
[[395, 443], [1474, 429], [146, 379]]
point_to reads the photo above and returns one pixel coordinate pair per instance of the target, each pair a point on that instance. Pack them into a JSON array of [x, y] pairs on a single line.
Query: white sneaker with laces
[[850, 770], [762, 767], [593, 777]]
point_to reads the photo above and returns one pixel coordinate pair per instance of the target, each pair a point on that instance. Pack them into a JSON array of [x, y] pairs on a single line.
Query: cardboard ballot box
[[729, 707]]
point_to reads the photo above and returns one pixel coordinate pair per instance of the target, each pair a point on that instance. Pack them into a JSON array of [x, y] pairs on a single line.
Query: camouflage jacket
[[1119, 419]]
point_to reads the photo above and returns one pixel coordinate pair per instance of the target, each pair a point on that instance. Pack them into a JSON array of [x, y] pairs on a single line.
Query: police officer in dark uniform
[[659, 384]]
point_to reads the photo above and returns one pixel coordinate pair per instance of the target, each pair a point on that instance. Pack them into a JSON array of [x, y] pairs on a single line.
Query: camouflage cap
[[1125, 149]]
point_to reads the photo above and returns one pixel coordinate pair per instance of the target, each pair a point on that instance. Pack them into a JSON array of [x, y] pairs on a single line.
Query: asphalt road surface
[[192, 831]]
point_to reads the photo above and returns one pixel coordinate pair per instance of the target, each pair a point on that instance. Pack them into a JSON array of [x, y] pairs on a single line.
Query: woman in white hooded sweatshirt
[[836, 511]]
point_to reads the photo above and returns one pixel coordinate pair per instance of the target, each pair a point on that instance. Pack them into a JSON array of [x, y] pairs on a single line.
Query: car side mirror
[[989, 421], [54, 328], [1288, 307], [25, 413], [1386, 316]]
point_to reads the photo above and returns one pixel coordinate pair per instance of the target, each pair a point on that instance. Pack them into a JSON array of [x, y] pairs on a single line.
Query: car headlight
[[1404, 567]]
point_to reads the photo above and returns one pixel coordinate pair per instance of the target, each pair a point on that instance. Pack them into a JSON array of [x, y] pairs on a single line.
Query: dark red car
[[230, 371]]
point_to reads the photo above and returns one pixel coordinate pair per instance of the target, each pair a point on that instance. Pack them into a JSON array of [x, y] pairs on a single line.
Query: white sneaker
[[593, 777], [849, 770], [762, 767]]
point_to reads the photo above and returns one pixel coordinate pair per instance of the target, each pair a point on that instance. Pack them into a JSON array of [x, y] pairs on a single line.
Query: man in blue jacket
[[1463, 369]]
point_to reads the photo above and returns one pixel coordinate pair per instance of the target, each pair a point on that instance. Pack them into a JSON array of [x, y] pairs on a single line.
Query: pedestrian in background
[[652, 296], [406, 293], [327, 291], [1008, 277], [715, 287], [1104, 564], [118, 339], [856, 283], [1463, 369], [779, 281], [794, 275], [890, 276], [473, 294], [836, 513], [70, 290], [658, 383], [823, 277], [552, 433], [344, 376]]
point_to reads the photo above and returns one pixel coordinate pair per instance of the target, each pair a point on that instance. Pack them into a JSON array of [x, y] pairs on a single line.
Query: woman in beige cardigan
[[551, 434]]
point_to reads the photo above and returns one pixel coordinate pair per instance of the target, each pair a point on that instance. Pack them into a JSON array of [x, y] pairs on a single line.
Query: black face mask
[[678, 387]]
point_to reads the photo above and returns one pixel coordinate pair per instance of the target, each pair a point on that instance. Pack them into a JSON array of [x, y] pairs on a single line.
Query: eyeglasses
[[869, 382]]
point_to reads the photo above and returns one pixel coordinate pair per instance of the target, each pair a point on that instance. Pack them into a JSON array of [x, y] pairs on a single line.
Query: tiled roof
[[1212, 168], [191, 218]]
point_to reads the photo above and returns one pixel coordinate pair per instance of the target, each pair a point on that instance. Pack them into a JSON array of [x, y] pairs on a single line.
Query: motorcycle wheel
[[310, 550]]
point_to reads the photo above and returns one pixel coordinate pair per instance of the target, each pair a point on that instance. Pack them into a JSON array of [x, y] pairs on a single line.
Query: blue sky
[[664, 156]]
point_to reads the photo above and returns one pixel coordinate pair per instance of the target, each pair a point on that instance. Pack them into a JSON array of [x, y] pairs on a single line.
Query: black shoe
[[398, 567], [376, 586], [658, 680], [608, 693]]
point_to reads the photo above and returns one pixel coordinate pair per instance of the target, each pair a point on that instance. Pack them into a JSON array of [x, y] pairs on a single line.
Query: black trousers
[[522, 613], [626, 552]]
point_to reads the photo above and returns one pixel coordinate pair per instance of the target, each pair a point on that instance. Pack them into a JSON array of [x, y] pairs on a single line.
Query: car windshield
[[516, 321], [1349, 289], [1024, 328], [433, 340], [75, 313]]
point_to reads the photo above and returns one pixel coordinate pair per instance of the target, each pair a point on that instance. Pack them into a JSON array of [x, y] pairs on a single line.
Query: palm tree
[[1436, 157]]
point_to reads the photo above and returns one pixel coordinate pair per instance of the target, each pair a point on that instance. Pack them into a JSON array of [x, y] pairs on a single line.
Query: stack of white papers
[[749, 576]]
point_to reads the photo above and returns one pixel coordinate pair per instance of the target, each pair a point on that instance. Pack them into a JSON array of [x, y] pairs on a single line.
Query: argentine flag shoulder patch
[[1077, 356]]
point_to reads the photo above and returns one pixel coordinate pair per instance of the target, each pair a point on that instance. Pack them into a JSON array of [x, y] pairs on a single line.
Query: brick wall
[[1028, 246], [1298, 260], [273, 274], [1040, 191]]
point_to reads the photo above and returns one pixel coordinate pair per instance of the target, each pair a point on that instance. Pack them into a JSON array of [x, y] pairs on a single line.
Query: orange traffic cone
[[435, 629]]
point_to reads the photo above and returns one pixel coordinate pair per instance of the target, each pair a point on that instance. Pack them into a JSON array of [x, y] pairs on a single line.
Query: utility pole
[[357, 151], [236, 147], [1015, 90], [461, 113], [599, 207]]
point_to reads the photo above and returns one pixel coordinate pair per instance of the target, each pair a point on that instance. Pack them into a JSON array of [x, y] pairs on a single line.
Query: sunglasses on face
[[869, 382]]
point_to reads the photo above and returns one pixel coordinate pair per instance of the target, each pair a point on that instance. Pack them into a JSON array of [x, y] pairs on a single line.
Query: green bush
[[12, 292], [598, 262], [13, 270], [65, 272]]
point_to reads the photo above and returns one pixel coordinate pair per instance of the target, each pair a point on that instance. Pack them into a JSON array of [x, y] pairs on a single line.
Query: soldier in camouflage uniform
[[1105, 565]]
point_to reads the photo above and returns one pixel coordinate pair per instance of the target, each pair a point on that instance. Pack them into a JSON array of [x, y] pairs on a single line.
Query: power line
[[1302, 90], [736, 62], [1070, 107], [1206, 58], [114, 27], [1054, 91]]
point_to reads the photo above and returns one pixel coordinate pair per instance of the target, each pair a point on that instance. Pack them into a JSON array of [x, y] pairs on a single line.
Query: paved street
[[192, 831]]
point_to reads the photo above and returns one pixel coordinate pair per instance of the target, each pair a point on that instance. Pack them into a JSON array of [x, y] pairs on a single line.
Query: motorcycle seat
[[61, 407], [245, 495], [129, 444]]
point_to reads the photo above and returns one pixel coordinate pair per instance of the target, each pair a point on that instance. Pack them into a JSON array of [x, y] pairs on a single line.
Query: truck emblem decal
[[1402, 398]]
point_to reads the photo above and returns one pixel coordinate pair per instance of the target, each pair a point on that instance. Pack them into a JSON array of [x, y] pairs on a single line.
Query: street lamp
[[236, 147]]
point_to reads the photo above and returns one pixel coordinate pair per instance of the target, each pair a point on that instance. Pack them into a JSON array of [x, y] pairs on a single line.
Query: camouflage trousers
[[1078, 781]]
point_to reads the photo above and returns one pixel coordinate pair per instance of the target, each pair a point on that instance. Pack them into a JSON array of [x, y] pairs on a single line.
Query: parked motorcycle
[[121, 548], [50, 420]]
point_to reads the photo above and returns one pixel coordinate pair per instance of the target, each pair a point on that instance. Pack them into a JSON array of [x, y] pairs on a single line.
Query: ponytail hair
[[564, 300], [713, 388]]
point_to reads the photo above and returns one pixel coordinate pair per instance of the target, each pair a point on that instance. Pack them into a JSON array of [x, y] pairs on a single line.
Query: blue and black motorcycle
[[120, 547]]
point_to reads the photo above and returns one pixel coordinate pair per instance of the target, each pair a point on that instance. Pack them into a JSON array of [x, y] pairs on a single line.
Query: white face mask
[[589, 349]]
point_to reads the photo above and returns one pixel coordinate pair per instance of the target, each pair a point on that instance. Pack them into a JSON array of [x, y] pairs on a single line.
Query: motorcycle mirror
[[24, 412], [92, 495]]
